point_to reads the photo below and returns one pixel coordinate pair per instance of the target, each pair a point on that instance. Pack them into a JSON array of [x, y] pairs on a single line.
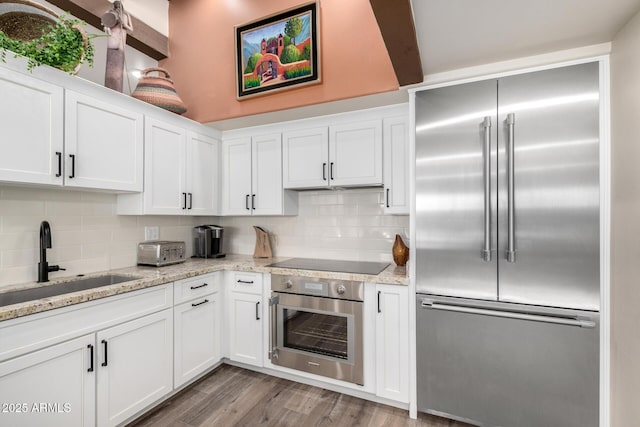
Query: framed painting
[[278, 52]]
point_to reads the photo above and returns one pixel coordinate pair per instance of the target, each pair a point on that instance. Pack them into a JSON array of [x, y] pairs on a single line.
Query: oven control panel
[[314, 286]]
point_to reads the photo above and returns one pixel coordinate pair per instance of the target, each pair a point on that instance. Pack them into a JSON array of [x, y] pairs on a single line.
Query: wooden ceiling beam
[[395, 19], [143, 37]]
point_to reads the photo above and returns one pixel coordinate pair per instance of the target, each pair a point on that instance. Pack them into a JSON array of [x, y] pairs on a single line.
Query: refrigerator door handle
[[511, 236], [486, 157], [568, 321]]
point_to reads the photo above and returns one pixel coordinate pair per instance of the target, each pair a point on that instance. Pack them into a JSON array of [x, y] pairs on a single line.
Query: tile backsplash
[[339, 224], [88, 236]]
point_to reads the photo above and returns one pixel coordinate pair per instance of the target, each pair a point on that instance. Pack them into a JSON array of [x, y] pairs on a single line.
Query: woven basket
[[159, 91], [26, 20]]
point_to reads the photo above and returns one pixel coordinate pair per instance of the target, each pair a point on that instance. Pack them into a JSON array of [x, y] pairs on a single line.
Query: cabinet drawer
[[194, 287], [246, 282], [29, 333]]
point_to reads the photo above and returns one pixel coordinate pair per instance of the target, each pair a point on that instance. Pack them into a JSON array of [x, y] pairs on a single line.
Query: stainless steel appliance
[[207, 241], [316, 326], [507, 249], [357, 267], [161, 252]]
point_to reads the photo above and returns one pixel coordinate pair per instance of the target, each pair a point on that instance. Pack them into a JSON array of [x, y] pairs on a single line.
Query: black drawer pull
[[184, 201], [250, 282], [90, 347], [190, 201], [324, 171], [331, 174], [200, 303], [258, 310], [379, 310], [104, 342], [199, 286], [387, 197]]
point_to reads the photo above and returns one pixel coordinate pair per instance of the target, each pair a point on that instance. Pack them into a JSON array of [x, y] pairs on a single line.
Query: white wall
[[340, 224], [625, 226], [154, 13]]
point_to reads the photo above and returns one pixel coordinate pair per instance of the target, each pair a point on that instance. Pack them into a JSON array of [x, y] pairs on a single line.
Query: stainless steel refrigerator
[[508, 249]]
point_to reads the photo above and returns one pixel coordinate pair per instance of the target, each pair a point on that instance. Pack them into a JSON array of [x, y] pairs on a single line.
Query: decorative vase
[[263, 246], [159, 91], [400, 252]]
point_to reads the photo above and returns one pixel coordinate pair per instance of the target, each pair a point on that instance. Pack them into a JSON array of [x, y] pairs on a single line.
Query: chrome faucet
[[45, 242]]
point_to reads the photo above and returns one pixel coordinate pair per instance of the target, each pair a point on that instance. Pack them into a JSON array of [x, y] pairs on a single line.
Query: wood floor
[[232, 396]]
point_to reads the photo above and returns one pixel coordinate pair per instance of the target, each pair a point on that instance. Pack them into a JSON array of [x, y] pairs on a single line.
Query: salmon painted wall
[[354, 60]]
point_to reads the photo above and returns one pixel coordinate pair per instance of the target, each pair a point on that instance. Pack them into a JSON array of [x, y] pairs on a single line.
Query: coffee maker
[[207, 241]]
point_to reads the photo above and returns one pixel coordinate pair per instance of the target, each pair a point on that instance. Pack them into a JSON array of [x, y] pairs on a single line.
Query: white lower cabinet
[[392, 343], [52, 387], [135, 363], [196, 337], [246, 318]]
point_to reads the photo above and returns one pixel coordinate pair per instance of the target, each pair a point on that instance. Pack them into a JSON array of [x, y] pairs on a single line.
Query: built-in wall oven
[[316, 326]]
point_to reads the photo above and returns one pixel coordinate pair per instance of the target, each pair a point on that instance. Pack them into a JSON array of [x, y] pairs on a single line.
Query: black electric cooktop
[[358, 267]]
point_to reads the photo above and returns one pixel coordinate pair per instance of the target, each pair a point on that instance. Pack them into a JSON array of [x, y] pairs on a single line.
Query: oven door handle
[[273, 323]]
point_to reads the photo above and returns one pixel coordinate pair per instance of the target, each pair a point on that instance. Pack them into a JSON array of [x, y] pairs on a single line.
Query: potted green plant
[[63, 45]]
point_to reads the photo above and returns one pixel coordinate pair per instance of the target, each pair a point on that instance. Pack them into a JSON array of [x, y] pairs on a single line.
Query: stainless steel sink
[[73, 285]]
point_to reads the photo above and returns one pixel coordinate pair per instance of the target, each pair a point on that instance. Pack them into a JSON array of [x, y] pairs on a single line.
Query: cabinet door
[[196, 336], [165, 165], [392, 343], [266, 158], [236, 177], [305, 156], [51, 387], [396, 165], [245, 338], [355, 153], [202, 174], [104, 144], [31, 129], [135, 366]]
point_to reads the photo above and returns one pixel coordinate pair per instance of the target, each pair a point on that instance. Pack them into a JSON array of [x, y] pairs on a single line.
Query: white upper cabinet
[[252, 177], [305, 156], [355, 154], [103, 144], [203, 158], [165, 172], [31, 130], [343, 155], [181, 173], [266, 175], [396, 165], [236, 176]]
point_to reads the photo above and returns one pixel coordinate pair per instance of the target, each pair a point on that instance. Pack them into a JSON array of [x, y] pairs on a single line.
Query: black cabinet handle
[[190, 201], [387, 197], [258, 310], [199, 286], [324, 171], [246, 202], [379, 310], [90, 347], [59, 154], [253, 202], [73, 165], [200, 303], [104, 343], [331, 169], [184, 201], [245, 281]]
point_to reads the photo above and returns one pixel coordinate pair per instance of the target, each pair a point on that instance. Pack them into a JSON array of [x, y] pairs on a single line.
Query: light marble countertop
[[153, 276]]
